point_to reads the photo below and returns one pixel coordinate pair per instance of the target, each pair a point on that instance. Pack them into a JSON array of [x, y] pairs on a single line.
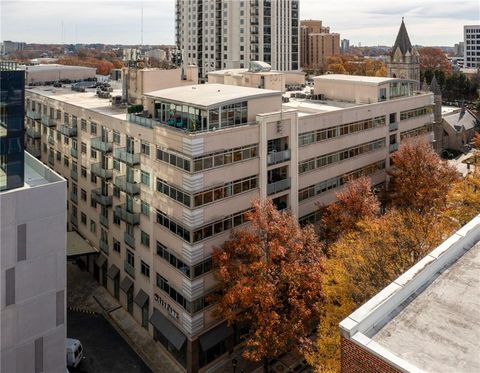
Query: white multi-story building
[[219, 34], [156, 193], [32, 247], [471, 37]]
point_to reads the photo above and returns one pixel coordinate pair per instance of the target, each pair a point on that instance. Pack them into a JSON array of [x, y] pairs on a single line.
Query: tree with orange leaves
[[270, 277], [419, 179], [434, 59], [354, 203]]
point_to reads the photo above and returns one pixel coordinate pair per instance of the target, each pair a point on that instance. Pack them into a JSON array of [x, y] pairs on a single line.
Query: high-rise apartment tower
[[222, 34]]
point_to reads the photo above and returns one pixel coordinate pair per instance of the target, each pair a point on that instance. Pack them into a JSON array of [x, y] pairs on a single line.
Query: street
[[104, 349]]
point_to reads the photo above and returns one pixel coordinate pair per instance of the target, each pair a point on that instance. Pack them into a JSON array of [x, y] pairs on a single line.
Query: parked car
[[74, 352]]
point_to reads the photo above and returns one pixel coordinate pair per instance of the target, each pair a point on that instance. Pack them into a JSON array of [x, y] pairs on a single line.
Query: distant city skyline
[[429, 22]]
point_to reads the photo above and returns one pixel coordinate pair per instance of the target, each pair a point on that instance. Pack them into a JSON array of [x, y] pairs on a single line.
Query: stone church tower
[[404, 60]]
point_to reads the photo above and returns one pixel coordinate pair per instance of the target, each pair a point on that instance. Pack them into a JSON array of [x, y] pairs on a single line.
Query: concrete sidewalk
[[84, 293]]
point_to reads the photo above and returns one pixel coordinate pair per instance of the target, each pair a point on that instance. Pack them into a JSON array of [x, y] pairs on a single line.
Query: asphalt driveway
[[104, 349]]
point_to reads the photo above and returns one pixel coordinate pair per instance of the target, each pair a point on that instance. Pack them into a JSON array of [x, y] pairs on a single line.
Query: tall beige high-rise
[[219, 34]]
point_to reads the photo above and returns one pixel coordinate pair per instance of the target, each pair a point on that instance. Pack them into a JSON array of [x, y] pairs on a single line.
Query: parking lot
[[104, 349]]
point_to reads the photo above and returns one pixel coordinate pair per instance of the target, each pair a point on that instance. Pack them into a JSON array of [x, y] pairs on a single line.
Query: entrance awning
[[141, 299], [101, 260], [214, 336], [77, 246], [167, 329], [126, 284], [113, 271]]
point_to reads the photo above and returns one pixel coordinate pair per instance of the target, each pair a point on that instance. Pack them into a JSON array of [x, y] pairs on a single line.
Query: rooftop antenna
[[141, 30]]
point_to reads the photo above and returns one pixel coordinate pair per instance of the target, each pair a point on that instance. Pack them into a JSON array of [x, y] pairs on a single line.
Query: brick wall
[[355, 359]]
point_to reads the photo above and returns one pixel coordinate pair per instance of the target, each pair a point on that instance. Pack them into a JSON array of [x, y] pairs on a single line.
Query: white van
[[74, 352]]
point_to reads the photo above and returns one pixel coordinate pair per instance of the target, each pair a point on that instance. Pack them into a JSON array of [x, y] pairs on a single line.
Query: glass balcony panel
[[101, 198], [68, 131], [278, 186], [127, 216], [122, 155], [126, 186], [278, 157], [101, 145], [98, 170]]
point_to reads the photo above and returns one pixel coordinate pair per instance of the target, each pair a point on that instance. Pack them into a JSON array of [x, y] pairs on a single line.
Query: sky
[[371, 22]]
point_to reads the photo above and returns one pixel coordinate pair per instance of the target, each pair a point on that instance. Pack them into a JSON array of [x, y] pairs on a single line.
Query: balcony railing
[[99, 170], [74, 197], [142, 121], [127, 216], [68, 131], [35, 115], [74, 152], [129, 269], [122, 155], [278, 186], [100, 198], [101, 145], [33, 133], [103, 246], [393, 147], [393, 126], [74, 174], [128, 187], [35, 151], [47, 121], [278, 157], [129, 239], [103, 220]]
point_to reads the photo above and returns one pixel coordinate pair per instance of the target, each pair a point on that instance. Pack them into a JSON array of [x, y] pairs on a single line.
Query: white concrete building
[[427, 320], [471, 37], [225, 34], [157, 191], [33, 272], [51, 73]]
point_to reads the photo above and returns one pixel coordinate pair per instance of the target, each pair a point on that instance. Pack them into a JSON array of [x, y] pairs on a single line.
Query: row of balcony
[[99, 197], [278, 157], [68, 131], [33, 133], [127, 216]]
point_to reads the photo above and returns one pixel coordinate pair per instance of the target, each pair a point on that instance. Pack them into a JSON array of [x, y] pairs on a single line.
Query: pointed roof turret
[[435, 87], [403, 40]]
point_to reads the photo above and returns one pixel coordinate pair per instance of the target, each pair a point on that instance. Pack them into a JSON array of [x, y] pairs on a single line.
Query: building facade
[[32, 246], [404, 60], [317, 45], [156, 193], [219, 34], [471, 37]]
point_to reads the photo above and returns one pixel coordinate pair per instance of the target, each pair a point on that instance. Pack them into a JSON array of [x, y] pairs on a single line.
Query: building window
[[145, 208], [83, 125], [145, 239], [145, 269], [83, 171], [65, 140], [83, 194], [130, 258], [145, 148], [93, 128], [116, 219], [116, 245], [93, 178], [93, 153], [66, 161], [59, 156], [59, 137], [116, 192], [83, 148], [145, 178], [83, 218], [93, 226], [116, 137]]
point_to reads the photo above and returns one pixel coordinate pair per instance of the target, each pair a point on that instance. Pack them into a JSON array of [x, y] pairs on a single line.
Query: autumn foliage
[[434, 59], [271, 279], [354, 203], [103, 66], [419, 179], [354, 65]]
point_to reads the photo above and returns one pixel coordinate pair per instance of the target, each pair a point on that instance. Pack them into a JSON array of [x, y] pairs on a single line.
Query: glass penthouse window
[[192, 119]]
